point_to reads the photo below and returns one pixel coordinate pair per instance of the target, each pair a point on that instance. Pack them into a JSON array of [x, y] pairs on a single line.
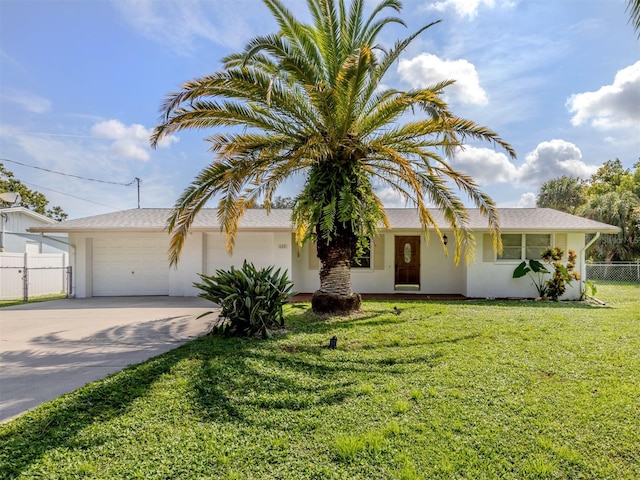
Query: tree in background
[[280, 202], [621, 209], [30, 199], [610, 177], [611, 195], [564, 193], [310, 99]]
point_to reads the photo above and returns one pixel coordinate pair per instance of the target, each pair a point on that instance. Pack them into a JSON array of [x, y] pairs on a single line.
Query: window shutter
[[378, 253], [314, 262], [487, 248]]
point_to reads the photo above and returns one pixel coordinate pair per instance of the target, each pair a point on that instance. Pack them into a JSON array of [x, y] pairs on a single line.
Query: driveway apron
[[51, 348]]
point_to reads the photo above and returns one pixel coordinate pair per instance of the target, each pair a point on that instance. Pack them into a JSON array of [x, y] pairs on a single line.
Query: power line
[[71, 175], [69, 195]]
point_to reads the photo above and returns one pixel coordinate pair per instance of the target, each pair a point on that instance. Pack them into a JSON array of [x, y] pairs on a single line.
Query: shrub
[[539, 269], [561, 276], [251, 299]]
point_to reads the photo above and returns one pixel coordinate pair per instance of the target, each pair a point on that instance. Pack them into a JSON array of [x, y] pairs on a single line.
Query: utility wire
[[71, 175], [69, 195]]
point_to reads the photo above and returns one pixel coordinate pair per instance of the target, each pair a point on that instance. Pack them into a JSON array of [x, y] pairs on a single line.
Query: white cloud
[[427, 69], [88, 156], [27, 101], [391, 198], [549, 160], [469, 8], [553, 159], [615, 106], [129, 141], [484, 165], [527, 200]]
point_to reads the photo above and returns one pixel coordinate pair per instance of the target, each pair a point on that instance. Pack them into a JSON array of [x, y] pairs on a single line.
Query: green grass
[[478, 389], [42, 298]]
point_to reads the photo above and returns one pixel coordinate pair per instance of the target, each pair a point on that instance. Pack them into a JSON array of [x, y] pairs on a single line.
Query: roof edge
[[29, 213]]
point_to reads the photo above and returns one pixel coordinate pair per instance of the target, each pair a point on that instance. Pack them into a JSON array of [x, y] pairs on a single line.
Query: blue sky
[[81, 83]]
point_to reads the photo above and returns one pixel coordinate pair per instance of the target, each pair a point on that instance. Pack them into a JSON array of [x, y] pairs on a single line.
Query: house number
[[407, 253]]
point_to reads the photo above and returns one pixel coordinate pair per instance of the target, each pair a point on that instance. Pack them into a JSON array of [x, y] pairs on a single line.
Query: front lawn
[[41, 298], [477, 389]]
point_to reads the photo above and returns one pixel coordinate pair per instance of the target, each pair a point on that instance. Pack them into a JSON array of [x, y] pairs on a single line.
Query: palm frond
[[307, 99], [633, 9]]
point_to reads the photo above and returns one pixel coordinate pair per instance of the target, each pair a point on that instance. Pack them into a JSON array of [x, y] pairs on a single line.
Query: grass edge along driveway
[[474, 389]]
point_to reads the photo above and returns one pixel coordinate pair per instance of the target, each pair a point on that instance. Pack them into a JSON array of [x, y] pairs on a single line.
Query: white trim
[[29, 213]]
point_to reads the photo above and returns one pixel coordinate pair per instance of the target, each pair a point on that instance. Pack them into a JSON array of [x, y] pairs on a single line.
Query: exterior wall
[[16, 239], [260, 248], [202, 253], [438, 273], [206, 252], [488, 278], [77, 252], [181, 278]]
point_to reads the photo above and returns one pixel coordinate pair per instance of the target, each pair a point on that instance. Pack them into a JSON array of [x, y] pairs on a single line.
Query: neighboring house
[[14, 237], [125, 253], [31, 264]]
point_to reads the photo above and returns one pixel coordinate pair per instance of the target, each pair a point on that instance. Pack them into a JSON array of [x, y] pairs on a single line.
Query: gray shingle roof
[[155, 219]]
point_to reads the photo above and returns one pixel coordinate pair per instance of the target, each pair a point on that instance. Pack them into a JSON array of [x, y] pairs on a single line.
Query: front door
[[407, 263]]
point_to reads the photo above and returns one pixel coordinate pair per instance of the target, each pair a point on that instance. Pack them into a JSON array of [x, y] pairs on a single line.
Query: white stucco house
[[15, 238], [125, 253]]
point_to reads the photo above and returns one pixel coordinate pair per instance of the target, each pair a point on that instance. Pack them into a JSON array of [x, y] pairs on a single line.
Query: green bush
[[562, 275], [251, 298], [539, 269]]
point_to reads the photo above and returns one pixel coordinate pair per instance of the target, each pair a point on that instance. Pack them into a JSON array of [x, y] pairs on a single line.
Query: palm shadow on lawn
[[235, 378], [54, 424], [221, 388], [284, 374]]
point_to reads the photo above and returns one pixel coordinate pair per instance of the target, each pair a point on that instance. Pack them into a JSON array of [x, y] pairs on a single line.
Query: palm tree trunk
[[335, 294]]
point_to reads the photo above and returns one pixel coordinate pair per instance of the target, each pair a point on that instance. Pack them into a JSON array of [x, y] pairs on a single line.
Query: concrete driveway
[[51, 348]]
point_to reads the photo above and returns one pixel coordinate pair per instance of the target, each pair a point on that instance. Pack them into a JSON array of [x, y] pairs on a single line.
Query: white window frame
[[524, 248]]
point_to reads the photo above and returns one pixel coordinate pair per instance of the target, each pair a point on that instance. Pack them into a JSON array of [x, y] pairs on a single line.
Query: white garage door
[[124, 266]]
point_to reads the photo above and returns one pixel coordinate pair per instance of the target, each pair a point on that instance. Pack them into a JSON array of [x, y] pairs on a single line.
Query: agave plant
[[251, 299]]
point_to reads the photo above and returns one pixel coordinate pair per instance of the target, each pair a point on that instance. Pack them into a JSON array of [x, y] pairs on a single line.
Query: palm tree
[[563, 193], [633, 8], [622, 209], [309, 99]]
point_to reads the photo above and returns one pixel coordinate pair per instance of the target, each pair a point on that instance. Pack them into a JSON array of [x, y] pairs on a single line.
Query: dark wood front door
[[407, 262]]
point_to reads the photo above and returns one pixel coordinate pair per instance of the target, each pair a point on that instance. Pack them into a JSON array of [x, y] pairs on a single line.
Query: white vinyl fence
[[614, 271], [27, 275]]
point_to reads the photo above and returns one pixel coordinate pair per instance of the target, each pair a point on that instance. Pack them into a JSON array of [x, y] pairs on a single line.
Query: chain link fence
[[627, 272]]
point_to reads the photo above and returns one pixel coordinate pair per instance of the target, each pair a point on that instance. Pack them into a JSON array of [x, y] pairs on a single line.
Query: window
[[524, 246], [364, 260], [511, 247], [536, 244]]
